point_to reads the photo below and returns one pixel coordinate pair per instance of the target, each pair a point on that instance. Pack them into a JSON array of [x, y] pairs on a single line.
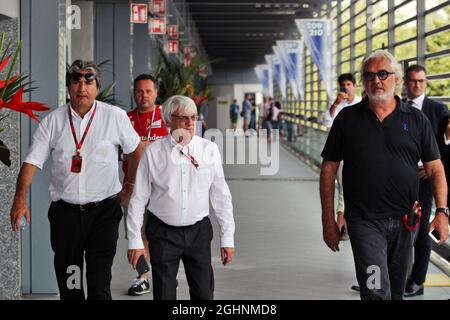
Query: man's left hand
[[126, 192], [226, 255], [422, 173], [440, 223]]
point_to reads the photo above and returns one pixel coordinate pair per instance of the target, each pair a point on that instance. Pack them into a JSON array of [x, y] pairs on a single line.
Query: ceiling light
[[267, 5], [305, 5], [258, 5]]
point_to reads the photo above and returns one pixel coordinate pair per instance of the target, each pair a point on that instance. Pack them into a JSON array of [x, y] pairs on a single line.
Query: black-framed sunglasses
[[89, 77], [382, 75]]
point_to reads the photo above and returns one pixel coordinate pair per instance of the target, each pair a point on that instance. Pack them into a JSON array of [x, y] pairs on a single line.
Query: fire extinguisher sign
[[138, 13]]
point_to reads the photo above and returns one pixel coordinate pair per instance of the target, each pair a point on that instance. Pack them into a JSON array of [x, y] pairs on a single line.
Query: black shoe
[[139, 287], [413, 290], [356, 288]]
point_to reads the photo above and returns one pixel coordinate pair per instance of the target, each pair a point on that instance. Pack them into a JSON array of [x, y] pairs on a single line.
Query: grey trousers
[[382, 251]]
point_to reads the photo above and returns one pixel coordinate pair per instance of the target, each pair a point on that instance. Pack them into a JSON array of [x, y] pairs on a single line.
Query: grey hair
[[175, 104], [396, 67], [79, 65]]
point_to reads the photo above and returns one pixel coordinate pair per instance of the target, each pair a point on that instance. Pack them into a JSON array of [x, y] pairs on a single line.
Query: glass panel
[[345, 16], [345, 4], [378, 8], [438, 65], [437, 42], [437, 19], [407, 50], [380, 41], [360, 5], [358, 62], [345, 55], [405, 12], [360, 34], [377, 24], [439, 88], [360, 49], [433, 3], [360, 19], [345, 42], [345, 67], [406, 31], [345, 28]]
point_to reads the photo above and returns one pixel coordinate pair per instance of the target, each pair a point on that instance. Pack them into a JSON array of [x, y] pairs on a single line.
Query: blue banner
[[292, 54], [318, 37], [264, 75], [281, 70]]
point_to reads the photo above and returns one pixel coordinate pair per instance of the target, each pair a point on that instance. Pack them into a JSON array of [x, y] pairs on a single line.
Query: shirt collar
[[87, 115], [187, 148], [401, 106], [418, 102]]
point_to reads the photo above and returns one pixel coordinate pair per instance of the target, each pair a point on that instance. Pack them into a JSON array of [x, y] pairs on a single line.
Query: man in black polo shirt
[[381, 141]]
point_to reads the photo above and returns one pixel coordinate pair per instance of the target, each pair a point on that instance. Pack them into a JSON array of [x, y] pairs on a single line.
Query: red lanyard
[[190, 157], [79, 145], [150, 126]]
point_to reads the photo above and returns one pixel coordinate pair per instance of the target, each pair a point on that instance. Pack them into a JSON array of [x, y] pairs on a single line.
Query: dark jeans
[[382, 251], [90, 234], [422, 245], [191, 244]]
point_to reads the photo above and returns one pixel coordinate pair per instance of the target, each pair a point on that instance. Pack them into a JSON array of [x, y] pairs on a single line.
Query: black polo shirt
[[380, 173]]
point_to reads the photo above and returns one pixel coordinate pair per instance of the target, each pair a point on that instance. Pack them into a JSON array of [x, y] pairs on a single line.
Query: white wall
[[10, 8]]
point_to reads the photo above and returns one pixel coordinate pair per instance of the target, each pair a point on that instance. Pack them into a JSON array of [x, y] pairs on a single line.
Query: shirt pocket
[[103, 152], [203, 177]]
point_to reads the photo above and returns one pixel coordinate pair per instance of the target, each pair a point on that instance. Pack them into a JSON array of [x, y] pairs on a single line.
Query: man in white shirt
[[345, 98], [82, 138], [177, 177]]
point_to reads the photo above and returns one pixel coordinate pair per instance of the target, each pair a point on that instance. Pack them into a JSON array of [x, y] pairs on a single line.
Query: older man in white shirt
[[177, 177], [82, 139]]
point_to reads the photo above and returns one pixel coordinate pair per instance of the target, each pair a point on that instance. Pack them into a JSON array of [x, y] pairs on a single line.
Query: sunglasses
[[88, 77], [382, 75]]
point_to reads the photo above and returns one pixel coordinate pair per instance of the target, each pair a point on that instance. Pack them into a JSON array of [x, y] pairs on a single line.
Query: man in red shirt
[[149, 125]]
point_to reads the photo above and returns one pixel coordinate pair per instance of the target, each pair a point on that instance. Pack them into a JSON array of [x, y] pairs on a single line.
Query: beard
[[381, 98]]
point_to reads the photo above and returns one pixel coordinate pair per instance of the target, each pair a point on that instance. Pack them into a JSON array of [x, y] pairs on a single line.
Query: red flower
[[18, 105]]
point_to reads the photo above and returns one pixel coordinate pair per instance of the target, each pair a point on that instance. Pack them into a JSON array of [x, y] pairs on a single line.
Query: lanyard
[[150, 127], [79, 145], [191, 158]]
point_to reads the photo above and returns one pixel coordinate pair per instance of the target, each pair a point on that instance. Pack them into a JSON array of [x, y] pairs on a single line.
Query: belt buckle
[[83, 207]]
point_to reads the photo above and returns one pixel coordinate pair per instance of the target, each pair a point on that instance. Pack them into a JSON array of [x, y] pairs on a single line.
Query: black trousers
[[422, 245], [91, 234], [192, 245], [382, 250]]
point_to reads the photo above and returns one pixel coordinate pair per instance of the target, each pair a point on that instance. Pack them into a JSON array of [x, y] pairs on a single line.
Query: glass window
[[378, 8], [438, 65], [433, 3], [345, 67], [345, 28], [345, 41], [358, 62], [360, 34], [439, 88], [345, 4], [345, 55], [360, 20], [405, 12], [437, 19], [360, 49], [345, 15], [360, 5], [380, 41], [407, 50], [377, 24], [438, 42], [406, 31]]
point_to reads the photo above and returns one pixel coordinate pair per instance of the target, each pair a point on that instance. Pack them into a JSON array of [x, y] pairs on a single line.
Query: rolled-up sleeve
[[40, 148], [221, 201], [129, 139], [138, 201]]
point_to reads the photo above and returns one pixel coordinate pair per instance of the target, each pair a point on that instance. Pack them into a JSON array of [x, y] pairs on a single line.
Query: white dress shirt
[[328, 120], [99, 176], [417, 102], [174, 190]]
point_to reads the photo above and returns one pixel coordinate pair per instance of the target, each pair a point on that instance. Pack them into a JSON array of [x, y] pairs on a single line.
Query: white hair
[[176, 104], [396, 67]]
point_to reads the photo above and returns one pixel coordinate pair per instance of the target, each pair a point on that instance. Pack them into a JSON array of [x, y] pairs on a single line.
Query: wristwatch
[[442, 210]]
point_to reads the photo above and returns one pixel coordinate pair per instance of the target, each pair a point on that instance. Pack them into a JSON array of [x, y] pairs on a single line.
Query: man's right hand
[[18, 209], [133, 256], [331, 235]]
